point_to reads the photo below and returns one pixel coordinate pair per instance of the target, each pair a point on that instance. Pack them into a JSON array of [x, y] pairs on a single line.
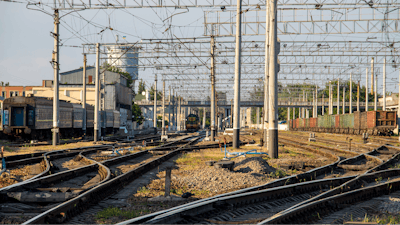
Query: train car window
[[5, 117]]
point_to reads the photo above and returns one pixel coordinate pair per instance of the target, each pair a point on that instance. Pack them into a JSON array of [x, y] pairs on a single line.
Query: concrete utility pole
[[358, 96], [351, 96], [258, 116], [175, 110], [96, 95], [375, 94], [266, 77], [303, 109], [273, 81], [231, 113], [366, 90], [163, 131], [84, 96], [236, 122], [338, 97], [56, 67], [288, 114], [344, 100], [212, 137], [313, 108], [384, 84], [372, 76], [330, 99], [398, 108], [323, 104], [204, 117], [178, 115], [169, 110], [316, 101], [155, 102]]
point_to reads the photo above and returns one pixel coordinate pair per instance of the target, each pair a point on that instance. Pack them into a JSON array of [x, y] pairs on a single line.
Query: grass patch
[[383, 219], [278, 174], [116, 212]]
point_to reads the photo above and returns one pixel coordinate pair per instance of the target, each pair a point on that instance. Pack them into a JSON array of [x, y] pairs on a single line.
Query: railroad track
[[331, 142], [256, 204], [79, 204], [118, 139]]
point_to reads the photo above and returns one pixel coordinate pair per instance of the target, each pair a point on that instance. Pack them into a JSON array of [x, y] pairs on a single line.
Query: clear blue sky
[[26, 45]]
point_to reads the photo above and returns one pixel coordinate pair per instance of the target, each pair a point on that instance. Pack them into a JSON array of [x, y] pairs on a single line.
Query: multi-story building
[[10, 91], [114, 93]]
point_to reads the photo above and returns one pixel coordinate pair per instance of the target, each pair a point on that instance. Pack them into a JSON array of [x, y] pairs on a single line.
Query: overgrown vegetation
[[382, 219], [117, 212], [137, 113]]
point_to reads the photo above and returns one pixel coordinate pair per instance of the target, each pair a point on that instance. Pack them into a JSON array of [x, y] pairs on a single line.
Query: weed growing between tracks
[[379, 219], [110, 212]]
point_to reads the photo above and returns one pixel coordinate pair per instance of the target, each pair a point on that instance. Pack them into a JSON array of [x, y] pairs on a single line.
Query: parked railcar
[[372, 122], [192, 123], [32, 118]]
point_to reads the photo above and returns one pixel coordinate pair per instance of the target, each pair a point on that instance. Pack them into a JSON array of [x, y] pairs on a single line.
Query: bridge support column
[[294, 112], [248, 117], [344, 100], [307, 110], [351, 96]]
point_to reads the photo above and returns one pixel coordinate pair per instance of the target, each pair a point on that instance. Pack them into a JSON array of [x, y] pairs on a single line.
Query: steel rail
[[78, 204]]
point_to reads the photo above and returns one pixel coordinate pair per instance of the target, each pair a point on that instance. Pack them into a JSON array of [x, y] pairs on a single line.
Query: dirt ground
[[192, 175]]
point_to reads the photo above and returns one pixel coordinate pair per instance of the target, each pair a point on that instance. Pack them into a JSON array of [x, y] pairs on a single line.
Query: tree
[[159, 121], [119, 71], [346, 85], [152, 94], [137, 113], [142, 86]]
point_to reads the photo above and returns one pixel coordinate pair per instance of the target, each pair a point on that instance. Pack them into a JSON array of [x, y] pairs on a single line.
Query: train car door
[[17, 116]]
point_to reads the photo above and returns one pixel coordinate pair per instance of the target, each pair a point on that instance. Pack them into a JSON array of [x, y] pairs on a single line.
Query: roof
[[77, 70], [88, 68], [139, 97]]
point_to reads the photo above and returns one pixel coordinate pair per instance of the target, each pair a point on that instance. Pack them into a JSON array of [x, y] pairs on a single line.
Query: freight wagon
[[32, 118], [372, 122]]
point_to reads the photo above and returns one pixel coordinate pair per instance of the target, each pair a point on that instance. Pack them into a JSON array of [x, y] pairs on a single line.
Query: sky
[[26, 43]]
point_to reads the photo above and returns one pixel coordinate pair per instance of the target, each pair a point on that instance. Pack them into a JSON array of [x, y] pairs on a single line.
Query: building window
[[3, 94], [14, 93], [23, 93]]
